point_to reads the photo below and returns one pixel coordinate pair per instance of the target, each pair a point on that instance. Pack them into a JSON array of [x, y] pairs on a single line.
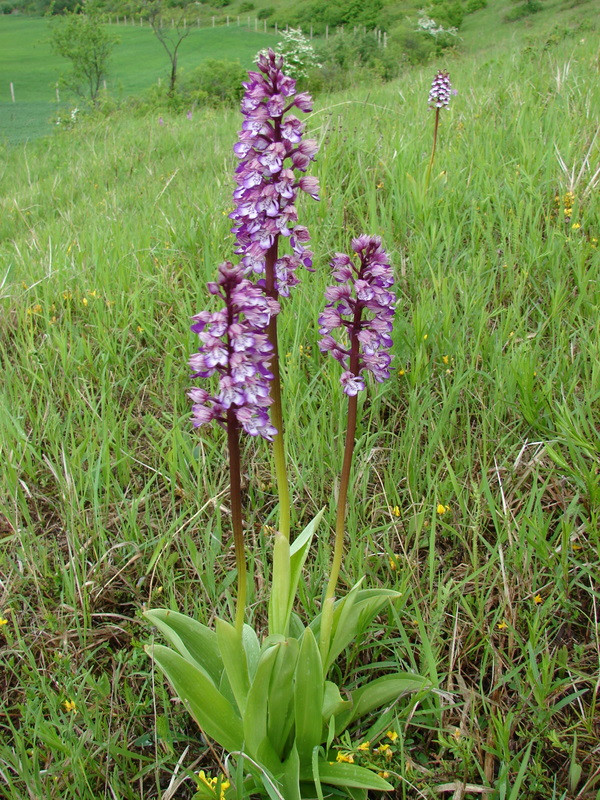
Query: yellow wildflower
[[393, 564], [502, 625], [456, 733], [426, 337], [538, 599], [346, 758], [85, 301], [70, 705], [396, 511], [445, 359], [364, 746], [392, 735], [3, 621], [384, 775], [441, 509], [401, 372], [575, 226]]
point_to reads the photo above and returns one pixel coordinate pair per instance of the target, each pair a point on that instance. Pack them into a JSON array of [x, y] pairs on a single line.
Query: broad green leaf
[[281, 695], [190, 638], [333, 702], [234, 660], [290, 778], [257, 704], [213, 712], [351, 615], [343, 774], [252, 648], [308, 697], [377, 693], [286, 579], [280, 588]]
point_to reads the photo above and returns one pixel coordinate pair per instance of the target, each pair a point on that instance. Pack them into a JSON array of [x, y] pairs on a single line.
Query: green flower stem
[[435, 133], [338, 548], [235, 491], [276, 410]]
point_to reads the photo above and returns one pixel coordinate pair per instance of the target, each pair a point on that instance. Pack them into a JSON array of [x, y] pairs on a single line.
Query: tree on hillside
[[86, 43], [170, 29]]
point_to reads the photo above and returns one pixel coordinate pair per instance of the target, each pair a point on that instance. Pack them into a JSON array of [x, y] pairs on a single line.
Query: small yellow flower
[[445, 359], [393, 564], [384, 775], [575, 226], [441, 509], [401, 372], [347, 758], [3, 621], [85, 301], [380, 185], [426, 337], [396, 511], [140, 329], [538, 599], [382, 748], [70, 706], [364, 746], [456, 733], [392, 735], [502, 625]]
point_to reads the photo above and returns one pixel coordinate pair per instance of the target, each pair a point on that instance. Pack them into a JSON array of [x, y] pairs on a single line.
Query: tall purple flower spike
[[361, 289], [441, 89], [270, 148], [233, 346]]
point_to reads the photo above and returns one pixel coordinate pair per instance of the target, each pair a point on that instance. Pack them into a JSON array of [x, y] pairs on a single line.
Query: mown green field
[[476, 488], [26, 60]]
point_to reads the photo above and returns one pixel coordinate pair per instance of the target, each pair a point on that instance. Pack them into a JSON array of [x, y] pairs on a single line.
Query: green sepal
[[234, 660], [281, 695], [308, 697], [377, 693], [212, 711], [343, 774], [194, 641]]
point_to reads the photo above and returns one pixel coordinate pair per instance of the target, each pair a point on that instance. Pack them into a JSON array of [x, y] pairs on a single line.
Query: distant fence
[[251, 23]]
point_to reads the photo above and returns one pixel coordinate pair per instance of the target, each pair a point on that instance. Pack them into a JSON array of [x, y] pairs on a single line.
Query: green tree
[[170, 28], [86, 43]]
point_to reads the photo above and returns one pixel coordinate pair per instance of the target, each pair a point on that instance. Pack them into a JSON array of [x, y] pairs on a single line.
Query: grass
[[27, 60], [109, 503]]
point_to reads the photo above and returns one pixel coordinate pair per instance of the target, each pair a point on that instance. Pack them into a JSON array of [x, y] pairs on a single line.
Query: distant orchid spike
[[363, 304], [441, 89], [234, 346], [270, 148]]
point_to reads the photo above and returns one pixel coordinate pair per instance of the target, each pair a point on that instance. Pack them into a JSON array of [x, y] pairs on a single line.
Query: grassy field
[[139, 60], [476, 479]]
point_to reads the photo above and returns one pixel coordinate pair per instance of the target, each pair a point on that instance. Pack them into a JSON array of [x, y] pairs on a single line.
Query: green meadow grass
[[476, 477], [138, 61]]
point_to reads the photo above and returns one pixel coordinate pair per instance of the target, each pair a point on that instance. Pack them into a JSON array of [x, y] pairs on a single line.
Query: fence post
[[213, 19], [227, 20], [326, 32], [12, 91], [311, 31]]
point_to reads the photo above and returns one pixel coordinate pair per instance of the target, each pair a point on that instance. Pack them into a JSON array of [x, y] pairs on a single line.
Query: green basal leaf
[[290, 778], [352, 614], [194, 641], [288, 561], [333, 702], [280, 588], [252, 648], [308, 697], [234, 660], [377, 693], [211, 710], [257, 706], [281, 696], [347, 775]]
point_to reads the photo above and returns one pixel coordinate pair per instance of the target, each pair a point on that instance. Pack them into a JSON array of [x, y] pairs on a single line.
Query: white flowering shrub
[[430, 26], [298, 53]]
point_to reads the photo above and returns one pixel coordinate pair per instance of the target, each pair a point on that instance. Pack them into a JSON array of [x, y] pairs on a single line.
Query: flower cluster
[[441, 89], [235, 346], [363, 288], [270, 148]]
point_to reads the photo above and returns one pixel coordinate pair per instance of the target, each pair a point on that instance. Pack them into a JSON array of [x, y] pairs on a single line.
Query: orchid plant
[[439, 97], [270, 703]]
